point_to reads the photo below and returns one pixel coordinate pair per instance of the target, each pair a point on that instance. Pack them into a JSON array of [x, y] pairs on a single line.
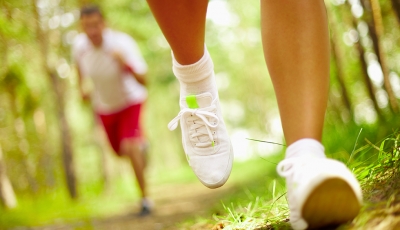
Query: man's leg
[[296, 47], [123, 132], [131, 143], [204, 136], [132, 148]]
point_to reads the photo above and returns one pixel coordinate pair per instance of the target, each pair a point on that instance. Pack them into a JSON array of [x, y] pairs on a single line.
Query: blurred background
[[54, 158]]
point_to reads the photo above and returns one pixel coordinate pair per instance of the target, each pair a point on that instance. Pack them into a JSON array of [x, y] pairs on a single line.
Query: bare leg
[[183, 25], [296, 47], [132, 149]]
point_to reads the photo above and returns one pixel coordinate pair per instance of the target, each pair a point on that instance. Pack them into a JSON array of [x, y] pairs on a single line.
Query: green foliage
[[30, 138], [260, 212], [13, 78], [257, 199], [375, 165], [382, 163], [55, 207], [379, 178]]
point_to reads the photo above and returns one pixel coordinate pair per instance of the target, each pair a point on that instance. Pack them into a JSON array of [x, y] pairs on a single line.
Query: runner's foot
[[205, 139], [146, 207], [320, 192]]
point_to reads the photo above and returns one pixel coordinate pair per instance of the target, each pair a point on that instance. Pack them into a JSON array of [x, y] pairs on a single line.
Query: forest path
[[173, 203], [178, 202]]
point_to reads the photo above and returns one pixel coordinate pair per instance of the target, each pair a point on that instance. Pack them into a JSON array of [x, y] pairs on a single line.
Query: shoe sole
[[227, 174], [332, 202]]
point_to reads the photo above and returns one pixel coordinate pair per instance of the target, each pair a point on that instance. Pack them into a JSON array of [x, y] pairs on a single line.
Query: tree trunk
[[379, 30], [396, 8], [19, 130], [7, 195], [367, 80], [337, 57], [67, 153], [46, 158], [364, 65]]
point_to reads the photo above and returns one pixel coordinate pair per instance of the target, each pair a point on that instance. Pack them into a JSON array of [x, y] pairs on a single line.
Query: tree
[[396, 8], [7, 195], [378, 30], [364, 65], [67, 151]]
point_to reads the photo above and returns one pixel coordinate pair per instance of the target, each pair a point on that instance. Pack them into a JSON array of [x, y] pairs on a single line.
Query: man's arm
[[85, 97], [76, 54], [141, 78]]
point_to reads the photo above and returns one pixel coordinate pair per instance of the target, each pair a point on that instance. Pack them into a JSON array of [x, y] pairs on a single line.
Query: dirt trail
[[176, 203], [173, 203]]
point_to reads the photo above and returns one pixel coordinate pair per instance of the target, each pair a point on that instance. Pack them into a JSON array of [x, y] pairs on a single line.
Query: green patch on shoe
[[191, 101]]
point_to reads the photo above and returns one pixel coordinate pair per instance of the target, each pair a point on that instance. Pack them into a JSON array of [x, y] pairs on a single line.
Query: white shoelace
[[287, 167], [200, 124]]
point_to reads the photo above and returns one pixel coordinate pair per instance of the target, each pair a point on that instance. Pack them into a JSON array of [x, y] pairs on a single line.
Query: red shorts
[[121, 125]]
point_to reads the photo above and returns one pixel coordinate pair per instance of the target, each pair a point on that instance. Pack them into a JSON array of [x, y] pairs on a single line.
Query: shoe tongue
[[198, 101]]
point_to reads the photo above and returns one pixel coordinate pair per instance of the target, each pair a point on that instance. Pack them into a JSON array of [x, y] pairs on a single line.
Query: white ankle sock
[[196, 78], [145, 202], [306, 147]]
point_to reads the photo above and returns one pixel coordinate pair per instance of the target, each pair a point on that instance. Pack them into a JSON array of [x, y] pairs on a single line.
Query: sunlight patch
[[219, 13]]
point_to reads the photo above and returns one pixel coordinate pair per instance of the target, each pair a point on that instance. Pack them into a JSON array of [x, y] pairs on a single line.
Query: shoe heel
[[333, 202]]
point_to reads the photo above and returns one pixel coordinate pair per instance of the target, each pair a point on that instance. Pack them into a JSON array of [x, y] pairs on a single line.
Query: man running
[[112, 60]]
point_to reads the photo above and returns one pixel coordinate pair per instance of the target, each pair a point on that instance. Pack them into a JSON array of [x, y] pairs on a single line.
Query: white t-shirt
[[114, 89]]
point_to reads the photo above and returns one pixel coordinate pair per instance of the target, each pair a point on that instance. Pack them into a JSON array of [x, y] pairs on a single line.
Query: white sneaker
[[320, 192], [146, 207], [205, 139]]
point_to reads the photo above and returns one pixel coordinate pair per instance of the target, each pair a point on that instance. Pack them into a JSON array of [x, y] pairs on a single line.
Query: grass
[[251, 208], [380, 184], [376, 166], [256, 199], [55, 208], [259, 213]]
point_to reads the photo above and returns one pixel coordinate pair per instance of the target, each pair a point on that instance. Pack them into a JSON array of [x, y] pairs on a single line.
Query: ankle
[[196, 78], [197, 71], [146, 202], [305, 147]]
